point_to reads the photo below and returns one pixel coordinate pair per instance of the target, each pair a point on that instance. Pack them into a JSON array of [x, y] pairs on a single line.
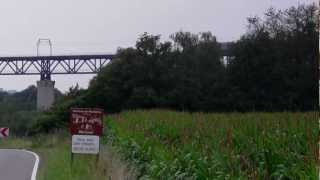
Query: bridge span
[[45, 66]]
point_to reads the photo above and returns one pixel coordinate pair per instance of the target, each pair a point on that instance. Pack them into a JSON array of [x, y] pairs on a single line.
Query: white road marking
[[36, 164]]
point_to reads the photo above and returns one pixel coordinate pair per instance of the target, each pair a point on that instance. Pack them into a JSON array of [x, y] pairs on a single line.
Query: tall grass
[[177, 145]]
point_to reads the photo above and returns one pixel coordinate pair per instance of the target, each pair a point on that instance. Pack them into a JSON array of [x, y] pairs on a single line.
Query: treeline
[[273, 68], [23, 100], [18, 111]]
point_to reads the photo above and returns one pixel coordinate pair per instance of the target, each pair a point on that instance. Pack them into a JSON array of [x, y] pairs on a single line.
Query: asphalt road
[[18, 165]]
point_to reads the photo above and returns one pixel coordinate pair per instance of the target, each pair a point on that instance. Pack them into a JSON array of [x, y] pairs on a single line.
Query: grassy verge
[[55, 162], [172, 145]]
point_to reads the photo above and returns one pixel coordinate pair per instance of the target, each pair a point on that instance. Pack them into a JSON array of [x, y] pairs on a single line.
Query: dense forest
[[274, 68]]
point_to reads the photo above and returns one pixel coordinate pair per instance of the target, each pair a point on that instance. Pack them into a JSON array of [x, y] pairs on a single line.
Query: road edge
[[36, 163]]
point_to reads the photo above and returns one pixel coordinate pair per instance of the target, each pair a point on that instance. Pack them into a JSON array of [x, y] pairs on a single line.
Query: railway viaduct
[[46, 66]]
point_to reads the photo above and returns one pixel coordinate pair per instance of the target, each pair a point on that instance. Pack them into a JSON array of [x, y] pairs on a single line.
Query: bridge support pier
[[45, 94]]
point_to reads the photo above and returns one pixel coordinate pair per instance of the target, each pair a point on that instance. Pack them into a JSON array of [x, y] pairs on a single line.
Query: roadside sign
[[4, 132], [85, 144], [86, 127], [86, 121]]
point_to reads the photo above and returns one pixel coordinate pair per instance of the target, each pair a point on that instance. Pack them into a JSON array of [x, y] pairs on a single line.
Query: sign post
[[86, 127]]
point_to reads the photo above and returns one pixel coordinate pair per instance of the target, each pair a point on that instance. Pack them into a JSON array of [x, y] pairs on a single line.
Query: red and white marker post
[[4, 132]]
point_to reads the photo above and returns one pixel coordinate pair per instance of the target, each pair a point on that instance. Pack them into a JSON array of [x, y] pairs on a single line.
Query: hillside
[[18, 110]]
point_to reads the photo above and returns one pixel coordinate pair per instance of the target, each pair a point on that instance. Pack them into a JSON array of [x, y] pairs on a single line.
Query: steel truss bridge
[[45, 66]]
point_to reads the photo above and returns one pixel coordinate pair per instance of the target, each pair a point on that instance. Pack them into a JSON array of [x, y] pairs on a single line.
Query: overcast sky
[[101, 26]]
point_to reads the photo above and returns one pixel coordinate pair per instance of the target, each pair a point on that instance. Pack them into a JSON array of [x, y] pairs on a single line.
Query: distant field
[[175, 145]]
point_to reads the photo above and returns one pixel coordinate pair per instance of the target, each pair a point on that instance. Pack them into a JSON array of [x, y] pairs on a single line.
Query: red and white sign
[[4, 132], [86, 126], [85, 121]]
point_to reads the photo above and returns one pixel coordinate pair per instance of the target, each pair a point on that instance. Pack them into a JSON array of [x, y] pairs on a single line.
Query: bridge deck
[[72, 64], [63, 57], [47, 65]]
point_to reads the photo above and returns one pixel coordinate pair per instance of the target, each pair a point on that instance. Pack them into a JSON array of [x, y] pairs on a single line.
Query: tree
[[275, 62]]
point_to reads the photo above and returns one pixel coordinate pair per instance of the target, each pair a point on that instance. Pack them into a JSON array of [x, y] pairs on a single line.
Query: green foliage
[[154, 74], [172, 145], [274, 68], [18, 111], [58, 116], [275, 64]]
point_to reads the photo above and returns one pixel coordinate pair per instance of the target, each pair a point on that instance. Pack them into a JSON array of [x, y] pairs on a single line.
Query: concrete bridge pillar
[[45, 94]]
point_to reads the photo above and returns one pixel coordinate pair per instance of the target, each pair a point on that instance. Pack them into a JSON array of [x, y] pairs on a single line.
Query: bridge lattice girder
[[48, 65], [77, 64]]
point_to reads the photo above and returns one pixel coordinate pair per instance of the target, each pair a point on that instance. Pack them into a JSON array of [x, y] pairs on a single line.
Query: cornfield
[[163, 144]]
